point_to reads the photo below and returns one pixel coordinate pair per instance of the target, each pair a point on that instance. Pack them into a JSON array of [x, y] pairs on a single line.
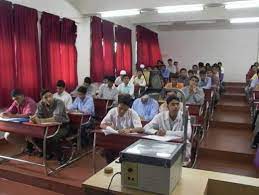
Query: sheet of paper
[[17, 120], [109, 131], [161, 138]]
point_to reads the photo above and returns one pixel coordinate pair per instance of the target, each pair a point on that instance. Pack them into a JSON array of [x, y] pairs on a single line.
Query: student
[[190, 73], [193, 94], [22, 107], [173, 82], [159, 63], [108, 91], [83, 103], [195, 69], [170, 123], [88, 84], [62, 94], [215, 77], [252, 71], [172, 67], [164, 72], [207, 66], [119, 80], [122, 119], [146, 107], [254, 82], [126, 87], [183, 78], [205, 82], [51, 110], [138, 79]]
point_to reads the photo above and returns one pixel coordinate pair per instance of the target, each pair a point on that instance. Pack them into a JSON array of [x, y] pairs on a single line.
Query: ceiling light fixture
[[244, 20], [241, 4], [119, 13], [180, 8]]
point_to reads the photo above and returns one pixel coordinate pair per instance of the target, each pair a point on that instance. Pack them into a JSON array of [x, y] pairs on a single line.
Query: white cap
[[123, 72], [142, 66]]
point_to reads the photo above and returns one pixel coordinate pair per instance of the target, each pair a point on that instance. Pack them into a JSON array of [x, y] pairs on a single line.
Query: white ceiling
[[219, 14]]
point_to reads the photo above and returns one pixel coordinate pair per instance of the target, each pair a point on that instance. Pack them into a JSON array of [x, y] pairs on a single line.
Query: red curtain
[[50, 50], [97, 72], [123, 53], [27, 50], [148, 50], [7, 57], [108, 47], [68, 53]]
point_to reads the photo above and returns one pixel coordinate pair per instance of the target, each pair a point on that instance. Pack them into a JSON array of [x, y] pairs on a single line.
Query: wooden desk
[[193, 182]]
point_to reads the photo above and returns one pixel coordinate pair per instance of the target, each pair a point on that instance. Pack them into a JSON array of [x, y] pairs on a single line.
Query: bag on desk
[[257, 159]]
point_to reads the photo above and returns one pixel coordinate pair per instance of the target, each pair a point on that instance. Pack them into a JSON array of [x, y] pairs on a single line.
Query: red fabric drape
[[97, 72], [68, 53], [148, 50], [27, 51], [50, 50], [123, 53], [7, 57], [108, 47]]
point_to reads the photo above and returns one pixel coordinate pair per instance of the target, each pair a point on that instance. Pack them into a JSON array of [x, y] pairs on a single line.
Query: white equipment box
[[152, 166]]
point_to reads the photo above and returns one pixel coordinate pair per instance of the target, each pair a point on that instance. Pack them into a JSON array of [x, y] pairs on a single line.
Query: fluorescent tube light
[[180, 8], [201, 22], [244, 20], [241, 4], [118, 13]]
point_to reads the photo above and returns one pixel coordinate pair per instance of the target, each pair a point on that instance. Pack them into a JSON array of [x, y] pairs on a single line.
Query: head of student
[[194, 80], [220, 64], [139, 73], [122, 73], [87, 81], [215, 69], [200, 64], [110, 81], [81, 92], [183, 73], [124, 103], [125, 79], [173, 79], [256, 64], [170, 62], [173, 104], [144, 98], [60, 86], [190, 73], [195, 68], [17, 96], [209, 72], [203, 75], [159, 63], [105, 79], [46, 97], [176, 63]]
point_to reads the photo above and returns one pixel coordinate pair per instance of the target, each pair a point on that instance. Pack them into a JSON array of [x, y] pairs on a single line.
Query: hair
[[252, 66], [200, 64], [61, 83], [194, 66], [16, 92], [159, 61], [125, 76], [139, 70], [257, 72], [171, 98], [174, 76], [87, 80], [82, 89], [125, 99], [111, 79], [183, 69], [203, 72], [170, 60], [43, 92], [175, 62], [190, 71], [195, 78], [219, 63]]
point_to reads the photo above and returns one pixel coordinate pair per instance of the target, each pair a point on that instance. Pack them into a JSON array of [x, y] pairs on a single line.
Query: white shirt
[[65, 97], [108, 93], [138, 81], [123, 89], [129, 120]]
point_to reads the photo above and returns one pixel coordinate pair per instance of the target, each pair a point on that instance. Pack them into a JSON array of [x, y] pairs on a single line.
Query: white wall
[[236, 48]]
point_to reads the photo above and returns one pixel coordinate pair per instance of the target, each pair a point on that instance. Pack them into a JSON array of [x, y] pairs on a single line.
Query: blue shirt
[[86, 106], [165, 73], [254, 83], [205, 84], [147, 110]]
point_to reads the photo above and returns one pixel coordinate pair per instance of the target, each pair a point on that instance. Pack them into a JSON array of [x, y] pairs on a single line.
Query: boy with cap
[[119, 79]]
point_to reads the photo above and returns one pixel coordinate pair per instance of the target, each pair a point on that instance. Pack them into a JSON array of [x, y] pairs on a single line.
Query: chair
[[101, 108]]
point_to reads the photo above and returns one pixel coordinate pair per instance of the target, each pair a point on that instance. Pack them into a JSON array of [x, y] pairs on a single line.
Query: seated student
[[170, 66], [173, 82], [170, 123], [215, 77], [252, 71], [108, 91], [146, 107], [88, 84], [119, 80], [207, 66], [126, 87], [205, 82], [62, 94], [122, 119], [51, 110], [254, 82], [183, 78], [138, 79], [195, 70], [201, 66], [190, 73], [193, 94], [22, 107], [164, 72], [83, 103]]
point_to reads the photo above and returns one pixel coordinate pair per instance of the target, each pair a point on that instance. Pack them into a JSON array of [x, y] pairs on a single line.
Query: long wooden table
[[193, 182], [42, 131]]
